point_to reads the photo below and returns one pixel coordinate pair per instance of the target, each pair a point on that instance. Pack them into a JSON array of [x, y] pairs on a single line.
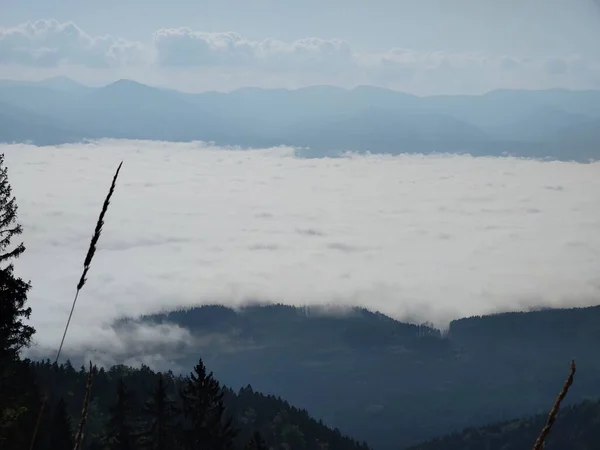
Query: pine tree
[[14, 334], [21, 404], [160, 431], [61, 431], [256, 442], [119, 429], [8, 226], [204, 411]]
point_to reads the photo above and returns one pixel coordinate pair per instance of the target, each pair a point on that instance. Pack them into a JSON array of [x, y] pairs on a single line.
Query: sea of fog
[[422, 238]]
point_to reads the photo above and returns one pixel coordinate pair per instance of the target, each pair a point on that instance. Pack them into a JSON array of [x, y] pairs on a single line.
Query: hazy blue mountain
[[538, 125], [324, 119], [390, 383], [39, 99], [126, 109], [18, 125], [64, 84], [388, 130], [59, 83]]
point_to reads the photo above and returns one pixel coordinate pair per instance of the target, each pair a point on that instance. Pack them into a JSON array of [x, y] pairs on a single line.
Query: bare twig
[[84, 410], [539, 443]]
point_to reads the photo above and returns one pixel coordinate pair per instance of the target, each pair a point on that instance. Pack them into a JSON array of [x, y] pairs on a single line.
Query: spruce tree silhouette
[[256, 442], [207, 425], [61, 430], [14, 334], [120, 433], [160, 430]]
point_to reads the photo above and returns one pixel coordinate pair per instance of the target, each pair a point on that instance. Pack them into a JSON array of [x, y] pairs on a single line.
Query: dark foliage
[[577, 428], [18, 393], [142, 409], [160, 429], [120, 433], [396, 384], [256, 442], [61, 427], [14, 333], [206, 424]]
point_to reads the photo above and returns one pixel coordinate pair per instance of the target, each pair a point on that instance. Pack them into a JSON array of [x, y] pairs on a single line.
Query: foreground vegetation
[[577, 428], [141, 409]]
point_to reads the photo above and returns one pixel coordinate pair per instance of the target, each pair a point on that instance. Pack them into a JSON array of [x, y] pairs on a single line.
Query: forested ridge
[[408, 383], [142, 409], [577, 427]]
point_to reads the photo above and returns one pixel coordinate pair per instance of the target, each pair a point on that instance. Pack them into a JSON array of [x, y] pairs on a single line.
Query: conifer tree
[[204, 410], [14, 334], [119, 429], [21, 403], [160, 431], [256, 442], [61, 429]]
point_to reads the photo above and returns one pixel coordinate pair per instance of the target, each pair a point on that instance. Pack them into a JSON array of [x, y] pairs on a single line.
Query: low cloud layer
[[228, 60], [426, 237]]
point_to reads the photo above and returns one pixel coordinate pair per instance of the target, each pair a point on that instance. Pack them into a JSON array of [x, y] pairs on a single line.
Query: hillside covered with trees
[[409, 383], [141, 409], [577, 427]]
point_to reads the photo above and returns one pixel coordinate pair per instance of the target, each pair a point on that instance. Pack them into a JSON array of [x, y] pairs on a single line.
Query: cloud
[[556, 66], [233, 60], [49, 43], [421, 237], [184, 47]]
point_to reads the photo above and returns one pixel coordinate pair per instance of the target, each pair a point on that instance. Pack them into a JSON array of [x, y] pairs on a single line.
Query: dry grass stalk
[[539, 443], [86, 266], [90, 255], [84, 410]]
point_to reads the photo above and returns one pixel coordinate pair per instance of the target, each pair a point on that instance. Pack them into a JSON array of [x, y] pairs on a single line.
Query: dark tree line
[[15, 334], [144, 410], [577, 428]]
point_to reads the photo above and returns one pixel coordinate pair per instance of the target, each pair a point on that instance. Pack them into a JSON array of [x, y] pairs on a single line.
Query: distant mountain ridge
[[323, 120]]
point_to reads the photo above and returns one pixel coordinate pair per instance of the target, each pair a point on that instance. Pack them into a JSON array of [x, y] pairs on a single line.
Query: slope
[[576, 427], [404, 379]]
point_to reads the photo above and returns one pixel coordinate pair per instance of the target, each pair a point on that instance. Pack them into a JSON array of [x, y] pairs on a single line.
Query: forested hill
[[557, 327], [577, 427], [111, 411], [408, 383]]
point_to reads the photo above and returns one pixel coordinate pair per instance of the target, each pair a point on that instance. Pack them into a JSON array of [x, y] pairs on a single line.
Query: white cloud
[[426, 237], [184, 47], [231, 60], [49, 43]]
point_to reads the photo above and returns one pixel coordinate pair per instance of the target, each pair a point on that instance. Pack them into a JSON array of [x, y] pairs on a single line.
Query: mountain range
[[318, 120]]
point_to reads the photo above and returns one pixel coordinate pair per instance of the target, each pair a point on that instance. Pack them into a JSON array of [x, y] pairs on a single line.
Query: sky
[[423, 47], [420, 238]]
